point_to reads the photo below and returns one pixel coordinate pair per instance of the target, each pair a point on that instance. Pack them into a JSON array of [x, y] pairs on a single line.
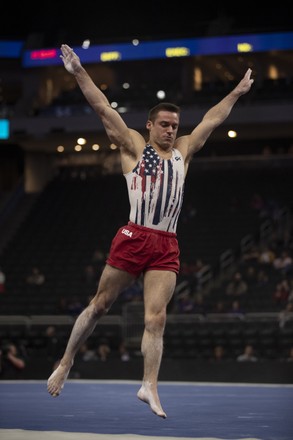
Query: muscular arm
[[116, 129], [214, 117]]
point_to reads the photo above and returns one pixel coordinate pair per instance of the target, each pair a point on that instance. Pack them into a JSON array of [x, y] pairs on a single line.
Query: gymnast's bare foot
[[56, 380], [148, 394]]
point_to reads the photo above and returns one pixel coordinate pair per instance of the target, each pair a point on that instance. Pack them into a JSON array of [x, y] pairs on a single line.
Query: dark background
[[57, 22]]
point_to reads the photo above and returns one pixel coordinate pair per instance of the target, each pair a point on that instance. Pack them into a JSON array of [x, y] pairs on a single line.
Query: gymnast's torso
[[156, 189]]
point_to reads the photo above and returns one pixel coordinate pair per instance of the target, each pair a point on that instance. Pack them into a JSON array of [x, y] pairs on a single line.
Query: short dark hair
[[162, 106]]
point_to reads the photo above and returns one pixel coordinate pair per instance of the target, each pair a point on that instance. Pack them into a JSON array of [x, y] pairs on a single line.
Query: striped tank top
[[156, 189]]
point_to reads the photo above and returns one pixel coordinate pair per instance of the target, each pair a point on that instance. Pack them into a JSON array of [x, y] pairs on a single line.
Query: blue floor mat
[[194, 410]]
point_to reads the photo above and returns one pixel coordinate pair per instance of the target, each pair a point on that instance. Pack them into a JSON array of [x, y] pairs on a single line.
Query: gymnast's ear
[[149, 124]]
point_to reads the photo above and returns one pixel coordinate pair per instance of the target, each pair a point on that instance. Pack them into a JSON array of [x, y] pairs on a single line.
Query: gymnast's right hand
[[70, 59]]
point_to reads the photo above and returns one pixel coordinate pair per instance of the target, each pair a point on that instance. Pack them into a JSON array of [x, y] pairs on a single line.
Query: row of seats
[[268, 340], [186, 340]]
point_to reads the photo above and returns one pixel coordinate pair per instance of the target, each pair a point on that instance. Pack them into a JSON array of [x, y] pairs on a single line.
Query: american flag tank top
[[156, 189]]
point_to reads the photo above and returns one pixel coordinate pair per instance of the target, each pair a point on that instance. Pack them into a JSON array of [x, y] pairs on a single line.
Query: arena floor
[[107, 410]]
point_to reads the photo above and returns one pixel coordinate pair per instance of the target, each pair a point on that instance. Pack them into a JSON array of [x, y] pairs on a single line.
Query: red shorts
[[137, 249]]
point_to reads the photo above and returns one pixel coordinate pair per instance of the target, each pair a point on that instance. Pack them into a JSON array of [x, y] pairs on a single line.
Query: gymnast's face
[[163, 130]]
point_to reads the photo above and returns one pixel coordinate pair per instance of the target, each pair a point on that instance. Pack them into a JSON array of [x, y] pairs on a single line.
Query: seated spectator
[[247, 355], [53, 346], [36, 277], [86, 354], [218, 354], [262, 278], [281, 292], [284, 262], [104, 349], [12, 362], [267, 151], [266, 255], [123, 352], [237, 286], [219, 307], [285, 315], [250, 275], [236, 309]]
